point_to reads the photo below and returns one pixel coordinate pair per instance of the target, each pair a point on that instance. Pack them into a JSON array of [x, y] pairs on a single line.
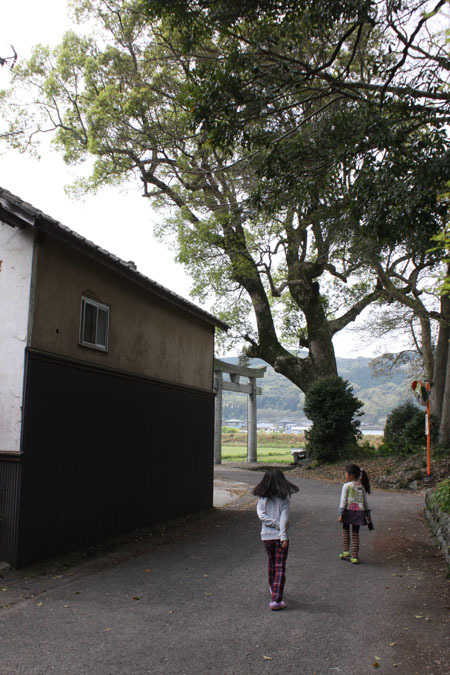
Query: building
[[106, 393], [237, 424]]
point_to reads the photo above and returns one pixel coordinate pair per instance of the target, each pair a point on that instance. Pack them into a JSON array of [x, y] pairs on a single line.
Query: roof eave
[[25, 215]]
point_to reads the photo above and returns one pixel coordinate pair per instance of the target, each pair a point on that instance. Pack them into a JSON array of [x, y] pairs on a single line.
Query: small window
[[94, 327]]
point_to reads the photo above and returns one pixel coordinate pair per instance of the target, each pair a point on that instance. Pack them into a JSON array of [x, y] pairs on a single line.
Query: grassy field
[[276, 448], [272, 448], [238, 453], [265, 440]]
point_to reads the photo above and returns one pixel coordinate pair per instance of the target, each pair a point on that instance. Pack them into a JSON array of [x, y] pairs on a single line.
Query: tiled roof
[[17, 212]]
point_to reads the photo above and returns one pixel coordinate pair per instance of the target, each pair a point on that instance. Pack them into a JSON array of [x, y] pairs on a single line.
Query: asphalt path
[[191, 597]]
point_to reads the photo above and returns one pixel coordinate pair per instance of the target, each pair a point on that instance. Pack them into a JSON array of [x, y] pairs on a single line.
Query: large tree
[[276, 53], [387, 59], [119, 97], [273, 191]]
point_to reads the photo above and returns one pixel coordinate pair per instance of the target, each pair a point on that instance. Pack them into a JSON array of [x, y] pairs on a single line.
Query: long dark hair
[[358, 473], [274, 484]]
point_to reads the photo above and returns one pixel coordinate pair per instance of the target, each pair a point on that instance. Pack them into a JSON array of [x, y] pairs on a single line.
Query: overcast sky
[[119, 220]]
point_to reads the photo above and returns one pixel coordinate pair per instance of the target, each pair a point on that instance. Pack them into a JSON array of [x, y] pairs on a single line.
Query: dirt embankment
[[400, 472]]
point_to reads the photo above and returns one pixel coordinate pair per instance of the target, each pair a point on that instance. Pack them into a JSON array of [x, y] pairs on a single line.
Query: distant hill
[[281, 400]]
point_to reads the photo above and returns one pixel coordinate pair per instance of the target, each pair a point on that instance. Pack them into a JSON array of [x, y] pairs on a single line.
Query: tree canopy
[[302, 149]]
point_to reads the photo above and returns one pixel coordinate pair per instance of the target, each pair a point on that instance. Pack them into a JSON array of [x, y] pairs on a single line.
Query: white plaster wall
[[16, 255]]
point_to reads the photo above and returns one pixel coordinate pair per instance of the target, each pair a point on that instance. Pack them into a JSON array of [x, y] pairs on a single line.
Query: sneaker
[[355, 561], [345, 555], [277, 605]]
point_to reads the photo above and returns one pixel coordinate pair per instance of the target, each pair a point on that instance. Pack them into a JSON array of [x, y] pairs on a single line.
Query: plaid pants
[[277, 556]]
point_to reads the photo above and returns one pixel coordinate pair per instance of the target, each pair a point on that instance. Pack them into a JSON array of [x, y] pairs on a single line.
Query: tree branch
[[341, 322]]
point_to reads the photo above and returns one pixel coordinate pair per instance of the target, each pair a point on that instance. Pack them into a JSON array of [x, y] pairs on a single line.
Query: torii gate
[[236, 372]]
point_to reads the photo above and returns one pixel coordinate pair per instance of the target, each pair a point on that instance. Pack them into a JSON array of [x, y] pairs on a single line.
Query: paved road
[[192, 598]]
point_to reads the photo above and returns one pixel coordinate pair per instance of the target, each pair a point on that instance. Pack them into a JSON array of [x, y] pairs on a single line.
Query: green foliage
[[405, 428], [396, 195], [299, 184], [441, 496], [229, 430], [442, 243], [372, 450], [396, 423], [281, 399], [322, 98], [332, 407]]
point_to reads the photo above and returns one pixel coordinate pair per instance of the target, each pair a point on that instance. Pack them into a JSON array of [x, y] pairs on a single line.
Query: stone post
[[252, 438]]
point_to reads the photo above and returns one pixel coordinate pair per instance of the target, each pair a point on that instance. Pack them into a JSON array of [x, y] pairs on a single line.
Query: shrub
[[441, 496], [229, 430], [367, 450], [332, 407], [405, 428]]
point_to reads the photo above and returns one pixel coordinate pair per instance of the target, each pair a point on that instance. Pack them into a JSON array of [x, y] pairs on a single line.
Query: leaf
[[267, 658], [376, 664], [136, 597], [392, 644], [419, 616], [171, 611]]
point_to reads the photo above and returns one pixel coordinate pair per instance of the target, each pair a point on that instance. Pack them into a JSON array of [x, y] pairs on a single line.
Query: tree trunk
[[440, 360], [444, 427], [321, 360], [427, 348], [440, 393], [302, 372]]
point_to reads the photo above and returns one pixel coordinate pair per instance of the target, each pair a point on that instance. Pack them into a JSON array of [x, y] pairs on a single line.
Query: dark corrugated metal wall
[[105, 453], [10, 473]]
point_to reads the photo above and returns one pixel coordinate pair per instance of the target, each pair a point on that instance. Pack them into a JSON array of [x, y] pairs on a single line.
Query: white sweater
[[274, 516], [353, 497]]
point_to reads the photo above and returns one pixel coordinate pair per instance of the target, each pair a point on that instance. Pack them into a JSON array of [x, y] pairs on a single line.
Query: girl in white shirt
[[274, 492], [353, 509]]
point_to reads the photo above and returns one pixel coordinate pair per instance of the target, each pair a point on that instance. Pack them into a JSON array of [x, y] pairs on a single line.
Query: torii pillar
[[236, 372]]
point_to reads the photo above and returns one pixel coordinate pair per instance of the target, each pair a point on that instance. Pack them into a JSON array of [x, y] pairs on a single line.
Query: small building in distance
[[267, 427], [106, 393], [237, 424]]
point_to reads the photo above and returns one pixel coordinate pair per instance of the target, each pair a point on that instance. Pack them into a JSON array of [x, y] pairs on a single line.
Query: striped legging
[[355, 539]]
